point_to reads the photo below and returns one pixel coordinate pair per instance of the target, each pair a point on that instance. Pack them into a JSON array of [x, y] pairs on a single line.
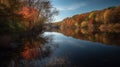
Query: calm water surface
[[83, 53], [62, 51]]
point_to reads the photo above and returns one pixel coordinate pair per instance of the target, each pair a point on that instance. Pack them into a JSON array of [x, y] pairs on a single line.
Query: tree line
[[106, 20]]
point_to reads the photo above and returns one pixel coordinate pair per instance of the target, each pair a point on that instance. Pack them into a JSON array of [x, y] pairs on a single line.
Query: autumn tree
[[39, 11], [18, 14]]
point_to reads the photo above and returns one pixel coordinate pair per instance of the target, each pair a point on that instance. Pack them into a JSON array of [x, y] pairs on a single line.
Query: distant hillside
[[106, 20]]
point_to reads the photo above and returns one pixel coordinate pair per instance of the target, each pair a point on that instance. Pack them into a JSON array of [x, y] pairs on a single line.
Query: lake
[[64, 51], [84, 53]]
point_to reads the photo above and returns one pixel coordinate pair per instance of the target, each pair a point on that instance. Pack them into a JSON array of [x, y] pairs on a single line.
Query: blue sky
[[68, 8]]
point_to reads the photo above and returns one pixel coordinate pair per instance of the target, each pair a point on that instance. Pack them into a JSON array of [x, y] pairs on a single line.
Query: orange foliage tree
[[30, 15], [37, 12]]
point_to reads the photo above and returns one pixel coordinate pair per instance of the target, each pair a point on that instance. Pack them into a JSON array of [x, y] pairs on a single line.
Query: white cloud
[[71, 7]]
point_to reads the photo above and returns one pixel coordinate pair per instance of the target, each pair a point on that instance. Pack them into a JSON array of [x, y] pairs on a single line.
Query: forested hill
[[106, 20]]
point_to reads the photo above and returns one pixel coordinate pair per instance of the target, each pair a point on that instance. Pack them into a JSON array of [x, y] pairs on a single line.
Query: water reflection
[[84, 53], [32, 50], [57, 50], [108, 38]]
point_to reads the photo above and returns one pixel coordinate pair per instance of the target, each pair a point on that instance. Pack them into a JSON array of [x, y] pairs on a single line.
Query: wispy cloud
[[71, 7]]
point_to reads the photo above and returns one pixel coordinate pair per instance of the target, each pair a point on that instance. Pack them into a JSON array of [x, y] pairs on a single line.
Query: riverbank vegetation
[[106, 20], [23, 18], [98, 26]]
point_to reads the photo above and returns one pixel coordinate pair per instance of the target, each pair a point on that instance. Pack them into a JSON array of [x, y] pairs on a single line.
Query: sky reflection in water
[[61, 51], [85, 53]]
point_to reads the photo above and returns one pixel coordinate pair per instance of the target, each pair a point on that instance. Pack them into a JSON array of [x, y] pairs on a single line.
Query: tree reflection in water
[[29, 54], [105, 37]]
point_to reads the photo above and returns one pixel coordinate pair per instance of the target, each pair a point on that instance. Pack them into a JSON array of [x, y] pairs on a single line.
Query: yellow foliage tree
[[84, 24]]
